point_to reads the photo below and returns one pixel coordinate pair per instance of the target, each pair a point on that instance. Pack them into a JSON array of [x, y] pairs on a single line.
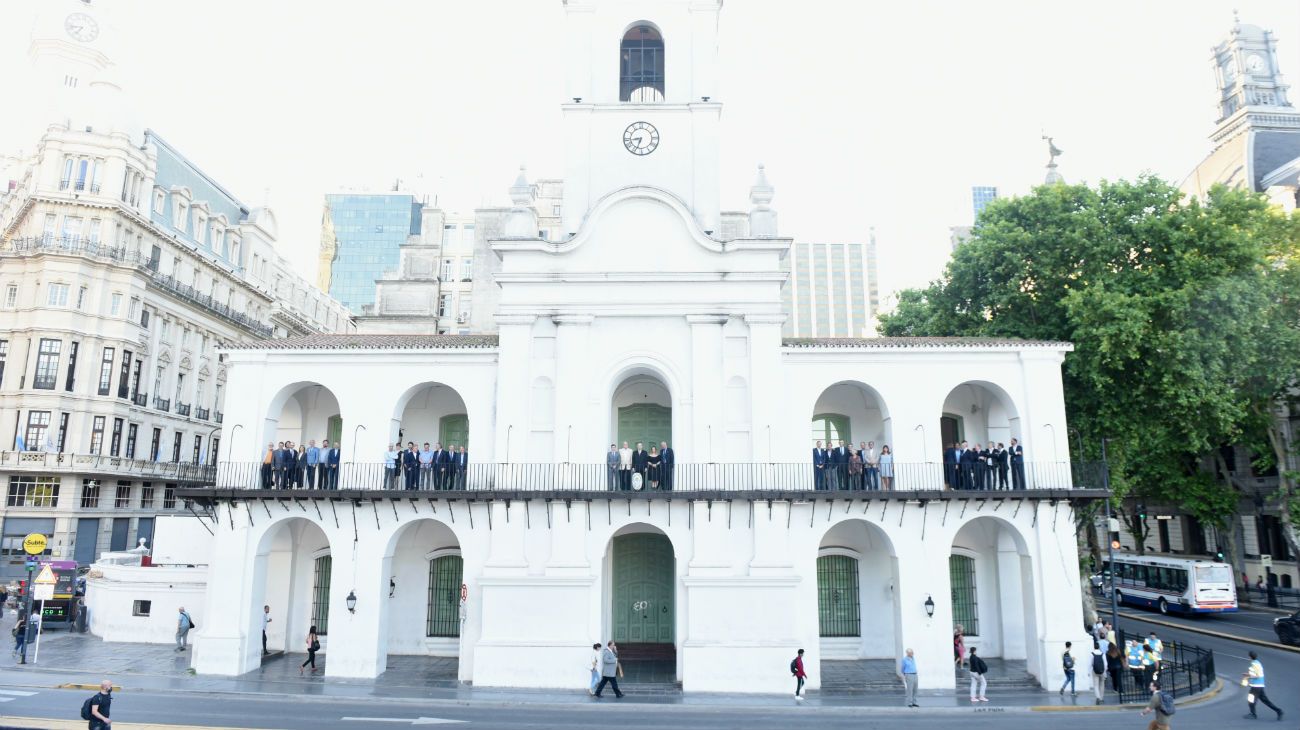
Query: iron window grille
[[320, 594], [444, 596], [965, 608], [33, 491], [838, 605]]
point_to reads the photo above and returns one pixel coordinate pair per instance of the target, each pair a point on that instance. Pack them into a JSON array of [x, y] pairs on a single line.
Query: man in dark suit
[[411, 465], [666, 472], [819, 467], [461, 470], [1001, 462], [1017, 465], [281, 454], [839, 466], [330, 461], [967, 465], [439, 464], [640, 458], [983, 467], [268, 467], [950, 466]]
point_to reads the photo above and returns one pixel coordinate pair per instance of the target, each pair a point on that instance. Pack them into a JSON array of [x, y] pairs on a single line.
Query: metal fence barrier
[[1183, 670]]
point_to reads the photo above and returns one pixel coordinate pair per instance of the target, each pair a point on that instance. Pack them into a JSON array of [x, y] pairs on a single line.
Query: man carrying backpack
[[1098, 671], [95, 709], [979, 684], [796, 669], [1162, 703], [1067, 663]]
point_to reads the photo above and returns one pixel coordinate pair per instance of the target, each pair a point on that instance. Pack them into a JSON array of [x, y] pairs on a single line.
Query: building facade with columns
[[719, 567]]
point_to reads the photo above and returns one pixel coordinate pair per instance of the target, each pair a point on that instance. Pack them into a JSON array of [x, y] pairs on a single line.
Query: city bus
[[1179, 585]]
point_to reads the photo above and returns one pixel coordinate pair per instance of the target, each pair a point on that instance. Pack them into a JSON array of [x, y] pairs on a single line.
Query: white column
[[223, 643], [358, 641], [514, 333], [706, 387], [765, 379], [574, 443]]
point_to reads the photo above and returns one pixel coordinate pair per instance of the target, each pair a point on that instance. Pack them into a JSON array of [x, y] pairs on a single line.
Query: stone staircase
[[878, 676]]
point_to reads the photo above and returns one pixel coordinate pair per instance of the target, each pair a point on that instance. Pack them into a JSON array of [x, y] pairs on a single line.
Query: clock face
[[81, 27], [1254, 63], [640, 138]]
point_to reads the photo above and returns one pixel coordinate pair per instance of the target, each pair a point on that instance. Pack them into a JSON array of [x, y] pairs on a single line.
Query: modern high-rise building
[[832, 290], [981, 196], [124, 269], [368, 231]]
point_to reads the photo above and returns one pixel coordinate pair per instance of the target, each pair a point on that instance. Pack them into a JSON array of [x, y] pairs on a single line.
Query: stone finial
[[762, 219], [521, 221]]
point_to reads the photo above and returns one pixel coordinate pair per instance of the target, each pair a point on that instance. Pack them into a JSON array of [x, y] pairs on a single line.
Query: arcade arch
[[991, 581], [857, 607], [292, 573], [431, 412], [302, 412], [425, 569]]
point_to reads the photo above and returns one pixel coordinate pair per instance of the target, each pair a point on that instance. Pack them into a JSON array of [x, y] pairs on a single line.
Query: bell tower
[[1247, 70], [67, 55], [642, 107]]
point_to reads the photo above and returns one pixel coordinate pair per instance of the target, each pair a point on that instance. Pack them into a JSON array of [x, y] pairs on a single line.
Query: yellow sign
[[34, 543], [46, 577]]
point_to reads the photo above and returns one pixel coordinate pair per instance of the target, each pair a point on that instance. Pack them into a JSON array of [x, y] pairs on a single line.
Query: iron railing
[[162, 404], [140, 399], [101, 464], [1183, 670], [218, 416], [1272, 596], [598, 477], [201, 414], [182, 409]]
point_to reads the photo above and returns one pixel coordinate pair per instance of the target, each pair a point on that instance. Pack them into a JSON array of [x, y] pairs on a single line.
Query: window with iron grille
[[106, 371], [146, 495], [838, 605], [444, 596], [29, 491], [123, 498], [320, 595], [89, 493], [97, 435], [115, 444], [47, 364], [169, 496], [965, 609], [641, 65]]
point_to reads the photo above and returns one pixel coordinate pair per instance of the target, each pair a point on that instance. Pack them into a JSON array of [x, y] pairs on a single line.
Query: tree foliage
[[1184, 317]]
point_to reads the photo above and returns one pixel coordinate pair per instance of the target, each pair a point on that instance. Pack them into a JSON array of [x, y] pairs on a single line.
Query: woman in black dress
[[652, 465]]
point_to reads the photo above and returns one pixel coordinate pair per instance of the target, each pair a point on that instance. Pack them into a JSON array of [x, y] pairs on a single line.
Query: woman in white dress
[[886, 467]]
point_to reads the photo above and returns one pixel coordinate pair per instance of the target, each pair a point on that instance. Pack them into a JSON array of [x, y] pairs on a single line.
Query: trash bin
[[80, 623]]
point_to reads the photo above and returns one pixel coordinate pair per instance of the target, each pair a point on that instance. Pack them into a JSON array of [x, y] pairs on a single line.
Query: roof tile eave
[[908, 342]]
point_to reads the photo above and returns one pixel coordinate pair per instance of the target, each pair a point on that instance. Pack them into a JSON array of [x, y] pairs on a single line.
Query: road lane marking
[[406, 720], [16, 693], [49, 723]]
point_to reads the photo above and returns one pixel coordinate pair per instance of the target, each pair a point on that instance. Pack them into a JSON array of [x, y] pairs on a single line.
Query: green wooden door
[[645, 422], [643, 589], [838, 607], [454, 429], [334, 429]]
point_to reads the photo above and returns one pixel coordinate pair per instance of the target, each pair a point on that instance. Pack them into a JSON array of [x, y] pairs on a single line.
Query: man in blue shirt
[[313, 461], [331, 464], [907, 670], [426, 466]]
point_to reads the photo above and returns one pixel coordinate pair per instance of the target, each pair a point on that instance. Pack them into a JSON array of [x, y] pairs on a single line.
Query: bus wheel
[[1119, 598], [1164, 607]]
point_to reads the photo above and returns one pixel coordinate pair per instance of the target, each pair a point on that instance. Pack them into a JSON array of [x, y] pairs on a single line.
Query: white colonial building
[[748, 556]]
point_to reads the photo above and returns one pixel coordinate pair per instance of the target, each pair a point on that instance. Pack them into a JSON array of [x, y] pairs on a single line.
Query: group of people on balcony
[[427, 468], [843, 467], [967, 466], [285, 466], [626, 469]]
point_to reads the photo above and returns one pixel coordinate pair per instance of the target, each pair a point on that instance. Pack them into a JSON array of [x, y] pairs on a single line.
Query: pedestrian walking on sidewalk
[[796, 669], [1162, 703], [1253, 678], [978, 684], [313, 646], [20, 635], [97, 708], [907, 670], [609, 669], [1098, 671], [595, 668], [1067, 664], [959, 646], [1115, 666], [183, 625], [266, 619]]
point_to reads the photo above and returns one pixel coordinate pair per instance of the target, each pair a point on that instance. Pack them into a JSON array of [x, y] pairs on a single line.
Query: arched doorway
[[983, 416], [292, 573], [641, 65], [425, 570], [857, 610], [641, 586], [854, 413], [300, 415], [642, 411], [991, 587], [433, 416]]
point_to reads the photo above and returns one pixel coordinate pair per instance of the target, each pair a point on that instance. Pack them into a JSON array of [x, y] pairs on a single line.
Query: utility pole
[[1110, 541]]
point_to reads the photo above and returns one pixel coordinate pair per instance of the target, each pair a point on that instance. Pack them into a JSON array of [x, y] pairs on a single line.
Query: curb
[[1208, 632], [1205, 696], [80, 685]]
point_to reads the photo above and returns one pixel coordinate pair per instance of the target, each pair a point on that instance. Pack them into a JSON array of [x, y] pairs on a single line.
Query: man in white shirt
[[625, 468], [266, 619]]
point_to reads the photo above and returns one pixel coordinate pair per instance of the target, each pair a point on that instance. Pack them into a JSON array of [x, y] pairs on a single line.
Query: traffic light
[[1218, 557], [22, 588], [1142, 511]]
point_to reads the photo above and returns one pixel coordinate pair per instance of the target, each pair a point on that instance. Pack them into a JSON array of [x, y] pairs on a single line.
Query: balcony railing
[[683, 477], [79, 185], [201, 414], [140, 399], [84, 247], [182, 409], [162, 404], [39, 461], [218, 416]]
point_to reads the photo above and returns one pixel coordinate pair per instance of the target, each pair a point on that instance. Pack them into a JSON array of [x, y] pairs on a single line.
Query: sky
[[866, 114]]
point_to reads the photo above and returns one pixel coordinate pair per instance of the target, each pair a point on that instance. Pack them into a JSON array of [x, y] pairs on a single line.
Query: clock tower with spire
[[72, 72]]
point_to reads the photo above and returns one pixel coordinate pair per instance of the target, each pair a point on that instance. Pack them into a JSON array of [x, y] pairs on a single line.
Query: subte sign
[[34, 544]]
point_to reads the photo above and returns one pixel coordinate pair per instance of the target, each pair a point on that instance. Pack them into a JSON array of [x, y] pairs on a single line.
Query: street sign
[[34, 543], [46, 577], [1266, 561], [43, 592]]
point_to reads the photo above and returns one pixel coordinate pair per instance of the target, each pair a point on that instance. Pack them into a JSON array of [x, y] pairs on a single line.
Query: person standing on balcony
[[839, 466], [1017, 465], [1001, 461], [460, 467], [886, 468], [441, 467], [426, 466], [653, 464], [313, 463], [392, 462], [819, 467], [331, 460], [625, 468], [611, 480], [670, 460], [854, 471], [639, 460], [411, 465], [969, 457], [299, 466], [950, 465], [268, 467], [871, 463]]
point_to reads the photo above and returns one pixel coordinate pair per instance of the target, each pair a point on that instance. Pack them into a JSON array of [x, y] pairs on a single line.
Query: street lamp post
[[1110, 542]]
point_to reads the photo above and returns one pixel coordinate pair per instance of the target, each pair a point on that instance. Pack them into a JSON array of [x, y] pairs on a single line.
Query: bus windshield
[[1213, 574]]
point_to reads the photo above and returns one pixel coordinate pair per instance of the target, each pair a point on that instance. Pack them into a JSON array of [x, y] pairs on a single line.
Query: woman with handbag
[[313, 646]]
